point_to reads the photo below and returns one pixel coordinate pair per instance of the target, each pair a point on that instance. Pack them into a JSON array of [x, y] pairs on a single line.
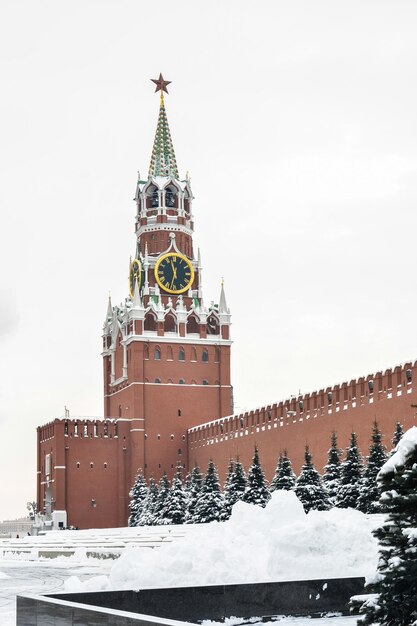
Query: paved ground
[[24, 577]]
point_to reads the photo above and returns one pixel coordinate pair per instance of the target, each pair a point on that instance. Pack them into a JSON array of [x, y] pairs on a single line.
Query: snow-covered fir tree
[[175, 507], [192, 493], [284, 475], [209, 505], [256, 488], [137, 495], [146, 517], [277, 471], [234, 488], [369, 491], [332, 469], [309, 487], [398, 433], [226, 509], [160, 510], [350, 476], [396, 581]]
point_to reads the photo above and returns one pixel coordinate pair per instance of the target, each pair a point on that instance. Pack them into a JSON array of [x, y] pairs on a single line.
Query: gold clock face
[[174, 273], [135, 274]]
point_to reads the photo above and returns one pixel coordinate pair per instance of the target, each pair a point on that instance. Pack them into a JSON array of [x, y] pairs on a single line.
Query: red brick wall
[[310, 419]]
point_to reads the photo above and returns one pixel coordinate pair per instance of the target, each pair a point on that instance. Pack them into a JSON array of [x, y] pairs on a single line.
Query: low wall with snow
[[176, 605]]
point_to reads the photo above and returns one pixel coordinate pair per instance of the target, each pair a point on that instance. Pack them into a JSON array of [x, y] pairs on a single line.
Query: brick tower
[[166, 355]]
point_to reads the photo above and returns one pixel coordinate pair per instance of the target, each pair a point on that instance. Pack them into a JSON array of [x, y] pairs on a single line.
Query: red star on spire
[[161, 84]]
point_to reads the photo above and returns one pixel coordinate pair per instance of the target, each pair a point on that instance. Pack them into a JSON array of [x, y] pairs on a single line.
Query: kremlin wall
[[166, 378], [386, 397]]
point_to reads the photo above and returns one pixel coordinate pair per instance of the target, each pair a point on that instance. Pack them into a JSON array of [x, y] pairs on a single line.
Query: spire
[[222, 301], [136, 295], [109, 315], [163, 162]]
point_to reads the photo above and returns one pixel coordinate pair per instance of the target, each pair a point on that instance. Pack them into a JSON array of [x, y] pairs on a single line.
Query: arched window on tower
[[217, 354], [181, 354], [192, 325], [154, 199], [186, 202], [170, 323], [157, 353], [193, 354], [170, 198], [170, 356], [212, 325], [150, 321], [205, 356]]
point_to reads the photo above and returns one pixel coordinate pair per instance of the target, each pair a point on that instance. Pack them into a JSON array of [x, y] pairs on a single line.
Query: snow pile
[[279, 542], [406, 447]]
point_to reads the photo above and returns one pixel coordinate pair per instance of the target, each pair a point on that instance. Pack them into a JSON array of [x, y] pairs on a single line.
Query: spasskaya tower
[[166, 355]]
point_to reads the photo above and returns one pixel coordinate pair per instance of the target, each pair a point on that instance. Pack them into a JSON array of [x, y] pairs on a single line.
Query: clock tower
[[166, 355]]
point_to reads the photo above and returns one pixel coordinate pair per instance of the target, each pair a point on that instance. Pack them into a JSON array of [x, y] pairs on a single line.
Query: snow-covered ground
[[279, 542], [41, 577]]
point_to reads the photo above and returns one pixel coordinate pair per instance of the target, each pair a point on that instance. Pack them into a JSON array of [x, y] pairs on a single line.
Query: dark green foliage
[[284, 476], [309, 487], [160, 511], [398, 433], [175, 507], [369, 491], [396, 582], [192, 492], [350, 477], [333, 469], [137, 495], [256, 489], [234, 488], [146, 518], [209, 505]]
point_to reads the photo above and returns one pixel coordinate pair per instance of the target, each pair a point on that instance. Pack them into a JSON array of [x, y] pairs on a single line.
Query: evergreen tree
[[396, 582], [272, 484], [332, 470], [226, 509], [309, 488], [175, 508], [235, 487], [146, 517], [257, 487], [284, 476], [159, 515], [187, 483], [369, 492], [209, 505], [350, 477], [193, 491], [137, 495], [398, 433]]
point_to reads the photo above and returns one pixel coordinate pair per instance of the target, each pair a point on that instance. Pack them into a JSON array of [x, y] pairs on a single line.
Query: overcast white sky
[[297, 121]]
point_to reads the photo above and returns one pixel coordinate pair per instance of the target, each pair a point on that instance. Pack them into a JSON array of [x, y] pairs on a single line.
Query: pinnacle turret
[[109, 315], [163, 161], [222, 301]]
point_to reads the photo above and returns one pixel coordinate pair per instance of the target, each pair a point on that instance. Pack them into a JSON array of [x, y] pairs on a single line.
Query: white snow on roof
[[160, 181]]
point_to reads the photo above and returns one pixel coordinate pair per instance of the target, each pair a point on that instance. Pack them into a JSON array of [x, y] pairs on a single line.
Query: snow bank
[[279, 542], [406, 447]]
